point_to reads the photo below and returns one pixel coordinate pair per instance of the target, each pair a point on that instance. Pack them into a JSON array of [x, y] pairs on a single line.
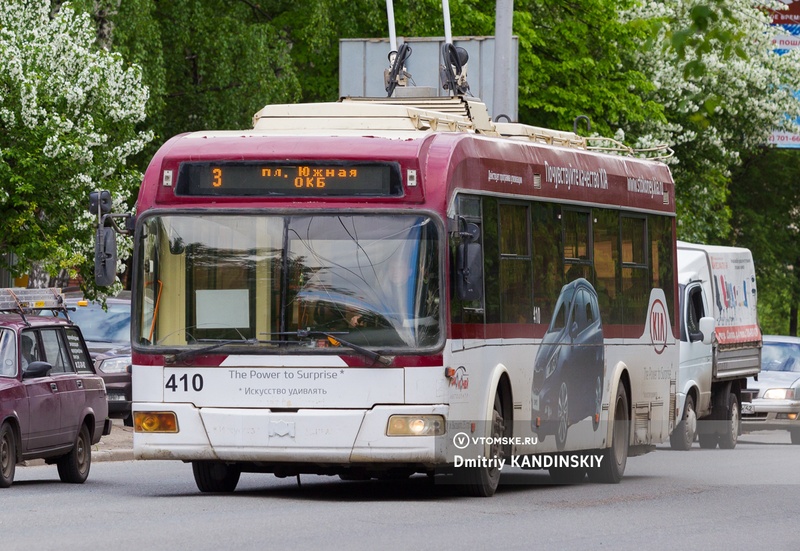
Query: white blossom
[[77, 107]]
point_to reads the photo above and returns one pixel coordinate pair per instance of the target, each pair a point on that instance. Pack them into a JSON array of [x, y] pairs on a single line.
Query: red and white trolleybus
[[381, 288]]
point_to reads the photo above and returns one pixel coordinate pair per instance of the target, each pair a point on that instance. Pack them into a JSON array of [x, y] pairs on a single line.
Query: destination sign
[[288, 179]]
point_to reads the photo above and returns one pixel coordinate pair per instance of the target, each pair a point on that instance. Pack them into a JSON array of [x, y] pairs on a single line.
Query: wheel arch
[[13, 422], [89, 421], [620, 376], [694, 391], [500, 382]]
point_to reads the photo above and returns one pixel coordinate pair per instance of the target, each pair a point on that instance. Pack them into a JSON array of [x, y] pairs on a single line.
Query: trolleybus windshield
[[280, 281]]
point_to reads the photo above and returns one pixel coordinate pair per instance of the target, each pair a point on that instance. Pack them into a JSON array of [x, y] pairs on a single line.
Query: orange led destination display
[[288, 179]]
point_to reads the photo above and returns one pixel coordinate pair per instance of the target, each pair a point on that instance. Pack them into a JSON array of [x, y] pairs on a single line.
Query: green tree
[[68, 125], [575, 59], [209, 64], [764, 199], [723, 89]]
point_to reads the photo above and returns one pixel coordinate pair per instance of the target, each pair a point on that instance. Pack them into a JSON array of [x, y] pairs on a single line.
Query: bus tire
[[683, 435], [615, 457], [8, 455], [74, 467], [729, 437], [215, 476], [483, 481]]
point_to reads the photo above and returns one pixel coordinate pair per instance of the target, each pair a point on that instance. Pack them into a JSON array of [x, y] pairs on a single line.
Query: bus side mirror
[[469, 262], [469, 271], [100, 202], [105, 257]]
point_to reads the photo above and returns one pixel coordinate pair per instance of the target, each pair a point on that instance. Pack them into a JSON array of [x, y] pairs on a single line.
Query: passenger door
[[695, 355]]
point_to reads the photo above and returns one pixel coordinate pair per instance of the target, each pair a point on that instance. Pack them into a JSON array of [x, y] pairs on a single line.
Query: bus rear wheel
[[215, 476], [612, 466]]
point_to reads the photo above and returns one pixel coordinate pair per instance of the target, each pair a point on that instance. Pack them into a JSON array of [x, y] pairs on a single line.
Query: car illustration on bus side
[[569, 367]]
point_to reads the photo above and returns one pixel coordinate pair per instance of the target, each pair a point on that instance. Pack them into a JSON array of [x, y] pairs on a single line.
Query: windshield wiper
[[333, 338], [186, 354]]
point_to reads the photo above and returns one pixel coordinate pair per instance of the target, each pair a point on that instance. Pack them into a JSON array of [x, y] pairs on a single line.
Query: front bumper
[[306, 436], [772, 415]]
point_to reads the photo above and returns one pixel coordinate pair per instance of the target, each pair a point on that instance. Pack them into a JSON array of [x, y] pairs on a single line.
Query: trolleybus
[[388, 287]]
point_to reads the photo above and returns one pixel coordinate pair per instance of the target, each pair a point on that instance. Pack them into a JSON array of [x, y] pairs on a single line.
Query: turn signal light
[[155, 421]]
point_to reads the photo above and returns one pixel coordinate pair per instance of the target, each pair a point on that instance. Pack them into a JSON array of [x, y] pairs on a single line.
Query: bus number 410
[[182, 383]]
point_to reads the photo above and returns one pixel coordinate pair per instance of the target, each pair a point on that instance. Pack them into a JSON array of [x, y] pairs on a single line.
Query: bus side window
[[694, 312]]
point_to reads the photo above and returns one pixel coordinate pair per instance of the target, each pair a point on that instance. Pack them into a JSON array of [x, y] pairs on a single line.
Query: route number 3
[[183, 383]]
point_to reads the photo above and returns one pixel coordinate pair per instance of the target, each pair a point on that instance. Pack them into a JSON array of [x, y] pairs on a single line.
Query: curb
[[97, 456], [112, 455]]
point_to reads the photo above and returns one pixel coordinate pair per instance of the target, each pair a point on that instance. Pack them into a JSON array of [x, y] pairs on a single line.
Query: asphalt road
[[738, 499]]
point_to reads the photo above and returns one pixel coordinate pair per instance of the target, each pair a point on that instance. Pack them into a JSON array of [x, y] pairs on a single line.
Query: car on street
[[777, 404], [53, 406], [107, 331]]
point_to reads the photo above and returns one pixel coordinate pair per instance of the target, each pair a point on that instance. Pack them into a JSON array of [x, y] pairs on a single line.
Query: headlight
[[415, 425], [779, 394], [115, 365], [552, 364]]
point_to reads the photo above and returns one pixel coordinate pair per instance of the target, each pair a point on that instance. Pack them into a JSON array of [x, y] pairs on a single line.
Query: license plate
[[747, 408], [535, 402]]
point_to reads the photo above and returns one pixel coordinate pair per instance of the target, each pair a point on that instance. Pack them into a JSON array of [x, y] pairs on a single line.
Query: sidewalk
[[117, 446]]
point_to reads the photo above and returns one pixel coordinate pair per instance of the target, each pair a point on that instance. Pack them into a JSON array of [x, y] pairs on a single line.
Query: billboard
[[789, 39]]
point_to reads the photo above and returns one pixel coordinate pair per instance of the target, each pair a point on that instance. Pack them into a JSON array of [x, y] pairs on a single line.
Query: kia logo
[[658, 326]]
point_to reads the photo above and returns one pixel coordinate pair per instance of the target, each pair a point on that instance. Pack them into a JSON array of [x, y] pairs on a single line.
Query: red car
[[52, 404]]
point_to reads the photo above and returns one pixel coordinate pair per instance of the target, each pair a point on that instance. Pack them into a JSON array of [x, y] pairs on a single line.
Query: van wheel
[[74, 467], [483, 481], [728, 439], [215, 476], [612, 466], [8, 455], [683, 434]]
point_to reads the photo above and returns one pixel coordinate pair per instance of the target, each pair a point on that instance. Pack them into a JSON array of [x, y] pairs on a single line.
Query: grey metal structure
[[362, 62]]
